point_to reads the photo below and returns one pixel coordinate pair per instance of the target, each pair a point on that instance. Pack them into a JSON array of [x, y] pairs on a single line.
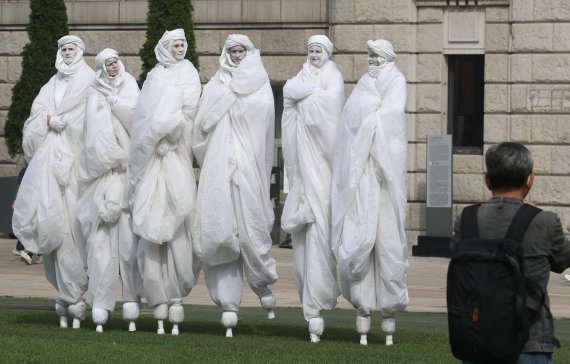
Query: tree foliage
[[48, 23], [166, 15]]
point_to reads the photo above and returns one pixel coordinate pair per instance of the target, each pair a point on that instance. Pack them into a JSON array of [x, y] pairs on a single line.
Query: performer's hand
[[112, 100], [56, 123]]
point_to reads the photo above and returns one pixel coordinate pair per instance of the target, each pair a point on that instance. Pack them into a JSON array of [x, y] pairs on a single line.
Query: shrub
[[166, 15], [48, 23]]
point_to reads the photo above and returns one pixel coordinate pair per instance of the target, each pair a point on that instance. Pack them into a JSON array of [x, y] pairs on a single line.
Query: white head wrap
[[77, 62], [326, 45], [103, 56], [382, 48], [162, 49], [238, 39], [232, 41], [321, 40], [101, 70], [66, 39]]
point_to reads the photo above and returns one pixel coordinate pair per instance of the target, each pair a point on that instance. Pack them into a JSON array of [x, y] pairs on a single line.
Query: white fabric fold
[[162, 185], [369, 194], [233, 142], [104, 214], [44, 218], [225, 120], [313, 103]]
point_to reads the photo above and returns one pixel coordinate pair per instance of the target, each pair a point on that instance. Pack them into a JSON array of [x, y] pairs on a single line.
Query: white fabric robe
[[233, 142], [162, 186], [104, 212], [369, 194], [45, 216], [313, 101]]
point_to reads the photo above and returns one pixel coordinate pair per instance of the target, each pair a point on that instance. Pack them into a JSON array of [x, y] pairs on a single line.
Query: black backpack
[[486, 291]]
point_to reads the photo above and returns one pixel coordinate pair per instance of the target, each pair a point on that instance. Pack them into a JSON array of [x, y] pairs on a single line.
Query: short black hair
[[509, 165]]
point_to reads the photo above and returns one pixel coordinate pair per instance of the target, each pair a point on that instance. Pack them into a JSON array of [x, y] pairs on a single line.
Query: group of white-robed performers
[[346, 165], [110, 190]]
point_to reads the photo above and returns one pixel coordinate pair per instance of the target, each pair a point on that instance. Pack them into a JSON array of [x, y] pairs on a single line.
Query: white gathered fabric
[[162, 185], [45, 218], [369, 194], [233, 142], [104, 212], [313, 101]]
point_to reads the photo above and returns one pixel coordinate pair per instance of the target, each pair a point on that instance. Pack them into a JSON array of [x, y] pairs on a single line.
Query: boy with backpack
[[498, 305]]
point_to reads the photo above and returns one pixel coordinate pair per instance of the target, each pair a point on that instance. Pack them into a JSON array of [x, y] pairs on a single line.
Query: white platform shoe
[[77, 311], [229, 320], [62, 313], [363, 328], [389, 327], [131, 312], [160, 313], [100, 317], [268, 303], [316, 328], [176, 316]]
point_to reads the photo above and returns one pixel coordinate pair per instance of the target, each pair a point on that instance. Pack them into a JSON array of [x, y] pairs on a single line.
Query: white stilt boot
[[363, 328], [131, 312], [229, 320], [268, 303], [160, 314], [77, 311], [62, 313], [176, 316], [388, 327], [100, 317], [316, 328]]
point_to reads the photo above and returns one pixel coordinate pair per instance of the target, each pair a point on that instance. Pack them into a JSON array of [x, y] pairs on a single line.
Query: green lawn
[[29, 333]]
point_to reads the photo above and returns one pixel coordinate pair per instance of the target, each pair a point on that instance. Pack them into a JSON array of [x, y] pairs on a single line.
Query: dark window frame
[[469, 140]]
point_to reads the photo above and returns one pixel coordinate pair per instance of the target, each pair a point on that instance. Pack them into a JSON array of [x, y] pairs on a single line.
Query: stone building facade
[[522, 45]]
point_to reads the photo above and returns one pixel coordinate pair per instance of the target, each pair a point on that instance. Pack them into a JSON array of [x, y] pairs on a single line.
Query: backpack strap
[[520, 222], [469, 224]]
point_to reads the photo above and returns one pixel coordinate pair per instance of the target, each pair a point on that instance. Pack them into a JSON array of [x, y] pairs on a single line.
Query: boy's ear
[[530, 181]]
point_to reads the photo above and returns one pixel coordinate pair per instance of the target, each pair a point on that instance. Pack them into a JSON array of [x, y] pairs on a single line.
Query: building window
[[466, 102]]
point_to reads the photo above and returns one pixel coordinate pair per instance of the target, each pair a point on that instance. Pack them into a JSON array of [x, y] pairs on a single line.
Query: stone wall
[[527, 70]]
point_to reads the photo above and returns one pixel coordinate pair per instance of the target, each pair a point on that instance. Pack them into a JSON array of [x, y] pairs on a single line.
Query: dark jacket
[[545, 249]]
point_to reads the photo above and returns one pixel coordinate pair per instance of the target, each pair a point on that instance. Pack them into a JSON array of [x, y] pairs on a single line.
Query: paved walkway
[[426, 283]]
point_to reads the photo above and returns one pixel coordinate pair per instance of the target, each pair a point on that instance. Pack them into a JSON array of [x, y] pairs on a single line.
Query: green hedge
[[48, 23], [166, 15]]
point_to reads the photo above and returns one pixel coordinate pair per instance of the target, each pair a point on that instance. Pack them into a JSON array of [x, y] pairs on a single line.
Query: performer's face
[[315, 55], [373, 59], [238, 53], [68, 52], [178, 49], [112, 66]]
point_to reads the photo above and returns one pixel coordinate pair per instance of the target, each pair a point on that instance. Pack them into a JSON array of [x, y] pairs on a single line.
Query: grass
[[32, 335]]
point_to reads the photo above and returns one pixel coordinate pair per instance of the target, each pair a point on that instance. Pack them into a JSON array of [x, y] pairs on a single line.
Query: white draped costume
[[104, 212], [45, 216], [313, 101], [369, 194], [233, 143], [162, 185]]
